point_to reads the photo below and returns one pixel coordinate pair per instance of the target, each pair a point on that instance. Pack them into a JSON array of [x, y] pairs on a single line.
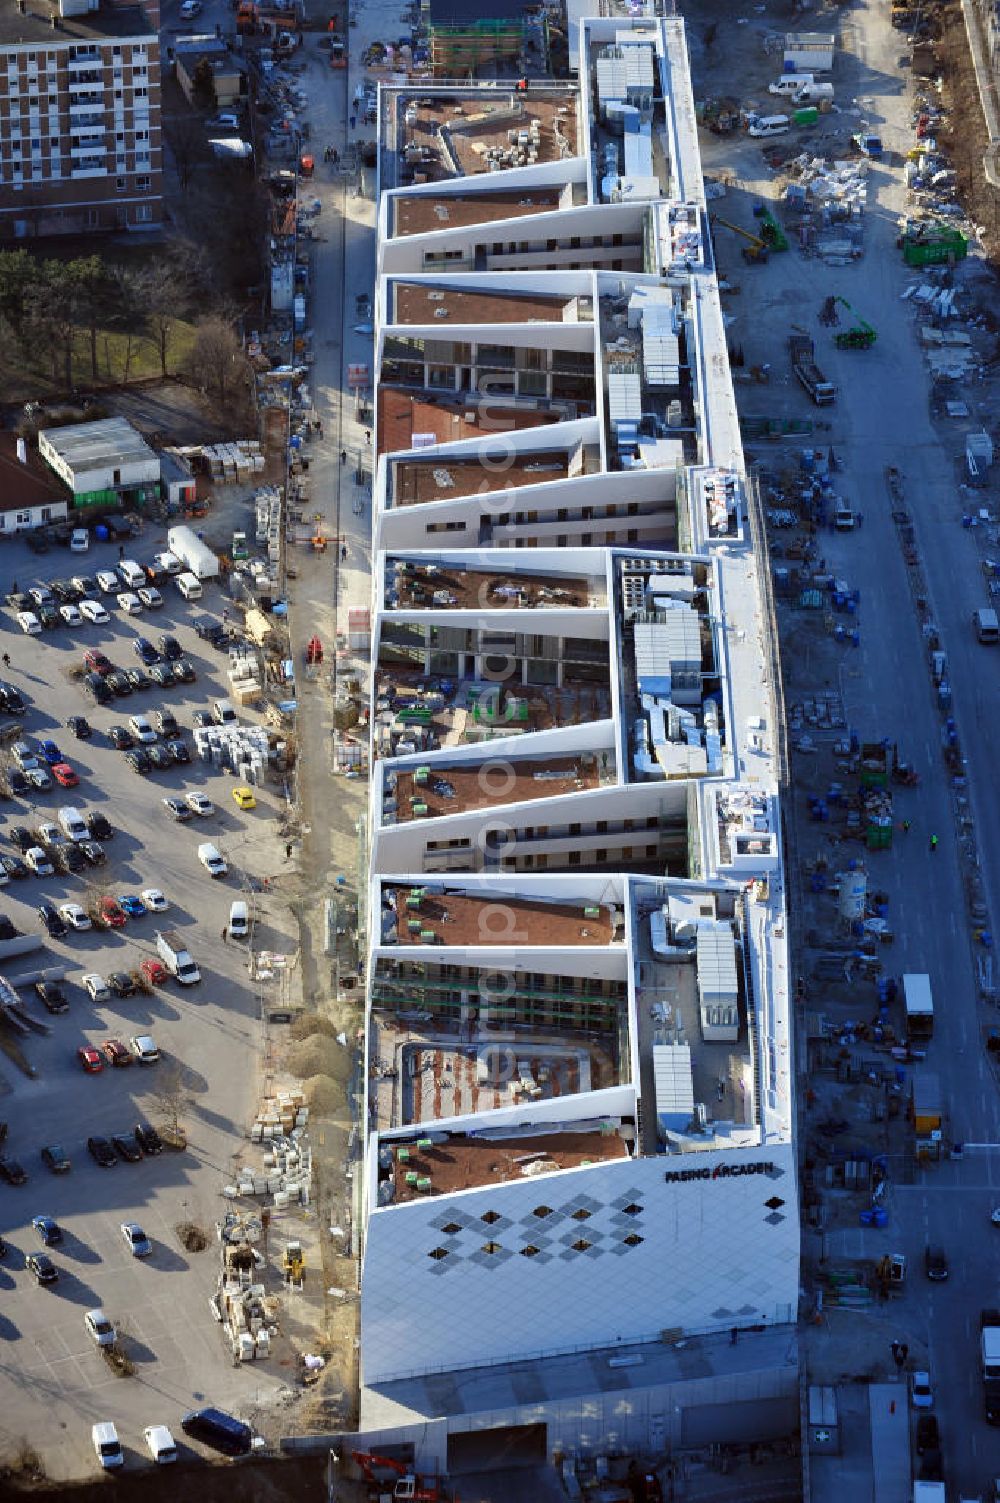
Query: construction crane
[[405, 1483], [860, 336], [756, 251]]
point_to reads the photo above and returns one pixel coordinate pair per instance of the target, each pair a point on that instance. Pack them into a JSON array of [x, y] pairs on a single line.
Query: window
[[22, 518], [54, 142], [119, 135], [120, 184], [143, 214], [143, 184]]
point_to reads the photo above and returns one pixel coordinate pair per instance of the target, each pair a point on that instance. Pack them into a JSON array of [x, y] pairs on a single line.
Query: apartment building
[[579, 1177], [80, 144]]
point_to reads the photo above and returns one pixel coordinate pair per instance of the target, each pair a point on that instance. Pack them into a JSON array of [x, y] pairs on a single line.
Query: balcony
[[89, 58]]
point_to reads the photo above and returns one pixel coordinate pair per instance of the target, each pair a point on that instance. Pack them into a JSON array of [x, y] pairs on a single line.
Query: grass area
[[122, 358]]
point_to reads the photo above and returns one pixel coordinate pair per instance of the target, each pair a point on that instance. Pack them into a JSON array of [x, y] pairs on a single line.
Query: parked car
[[121, 738], [184, 671], [126, 1148], [212, 859], [65, 775], [80, 540], [99, 826], [243, 797], [99, 1327], [134, 1237], [119, 683], [170, 648], [921, 1392], [39, 862], [177, 809], [165, 722], [131, 906], [177, 751], [11, 1171], [159, 1441], [162, 675], [54, 1157], [49, 750], [104, 1438], [139, 679], [96, 987], [148, 1139], [102, 1152], [52, 996], [98, 662], [139, 761], [29, 623], [150, 597], [54, 925], [116, 1053], [93, 611], [93, 852], [122, 984], [160, 758], [153, 972], [80, 726], [97, 688], [935, 1264], [144, 1048], [110, 913], [41, 1266], [154, 900], [90, 1058], [48, 1231], [71, 615], [75, 916], [144, 649], [199, 804], [107, 581], [129, 602]]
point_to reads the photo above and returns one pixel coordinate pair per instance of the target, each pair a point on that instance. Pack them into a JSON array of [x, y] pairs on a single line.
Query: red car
[[90, 1059], [153, 971], [64, 775], [97, 662], [115, 1052], [111, 913]]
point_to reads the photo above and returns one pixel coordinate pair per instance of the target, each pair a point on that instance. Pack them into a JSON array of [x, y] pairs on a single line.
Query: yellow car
[[244, 797]]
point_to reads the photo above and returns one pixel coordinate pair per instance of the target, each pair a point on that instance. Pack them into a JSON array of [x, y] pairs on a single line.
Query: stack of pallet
[[278, 1115]]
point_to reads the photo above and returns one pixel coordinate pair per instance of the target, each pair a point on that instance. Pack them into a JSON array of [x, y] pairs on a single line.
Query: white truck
[[177, 959], [185, 544], [919, 1003]]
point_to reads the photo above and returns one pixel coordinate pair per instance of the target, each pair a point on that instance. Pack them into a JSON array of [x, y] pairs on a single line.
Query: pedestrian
[[225, 613], [319, 427], [343, 456], [934, 842], [734, 1336], [352, 121], [861, 520], [6, 659], [906, 827], [121, 552], [225, 934], [336, 156], [368, 435], [13, 587], [343, 550], [288, 850]]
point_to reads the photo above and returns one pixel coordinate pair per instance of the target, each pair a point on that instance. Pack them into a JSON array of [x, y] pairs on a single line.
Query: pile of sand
[[308, 1023], [319, 1055], [322, 1093]]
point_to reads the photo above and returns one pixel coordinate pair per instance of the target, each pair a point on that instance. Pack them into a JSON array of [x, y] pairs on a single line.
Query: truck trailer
[[177, 959], [919, 1003], [186, 545], [989, 1346], [803, 354]]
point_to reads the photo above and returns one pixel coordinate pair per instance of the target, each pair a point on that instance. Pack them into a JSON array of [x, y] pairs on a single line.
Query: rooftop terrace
[[419, 303], [425, 586], [430, 792], [407, 418], [458, 919], [432, 137], [450, 1163], [417, 481], [418, 213]]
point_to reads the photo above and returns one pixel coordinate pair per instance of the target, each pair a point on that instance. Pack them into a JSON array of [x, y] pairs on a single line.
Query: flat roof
[[420, 303], [436, 134], [418, 213], [34, 24], [86, 446], [464, 1163], [402, 414], [428, 586], [463, 786], [458, 918], [443, 478], [462, 718]]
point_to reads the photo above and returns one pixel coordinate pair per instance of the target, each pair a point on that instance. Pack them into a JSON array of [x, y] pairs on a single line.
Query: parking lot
[[208, 1037]]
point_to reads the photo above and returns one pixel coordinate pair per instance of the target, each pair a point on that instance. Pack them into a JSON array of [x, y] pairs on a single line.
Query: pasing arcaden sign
[[721, 1171]]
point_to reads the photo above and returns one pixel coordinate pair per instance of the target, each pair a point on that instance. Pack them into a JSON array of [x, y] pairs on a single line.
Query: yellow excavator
[[756, 250]]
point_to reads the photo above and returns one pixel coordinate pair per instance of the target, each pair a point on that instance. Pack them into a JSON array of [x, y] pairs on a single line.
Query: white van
[[789, 84], [223, 712], [130, 574], [813, 93], [239, 922], [987, 625], [72, 823], [107, 1445], [769, 125], [189, 586]]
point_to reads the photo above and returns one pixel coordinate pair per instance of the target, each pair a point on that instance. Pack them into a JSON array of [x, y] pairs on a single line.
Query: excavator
[[860, 336], [403, 1484], [756, 251]]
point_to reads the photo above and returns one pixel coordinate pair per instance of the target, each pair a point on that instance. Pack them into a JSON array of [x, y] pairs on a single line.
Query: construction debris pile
[[249, 1317], [830, 198]]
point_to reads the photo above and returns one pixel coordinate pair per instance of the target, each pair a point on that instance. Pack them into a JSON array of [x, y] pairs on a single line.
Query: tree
[[91, 285], [161, 295], [217, 362], [172, 1101], [203, 85], [186, 144]]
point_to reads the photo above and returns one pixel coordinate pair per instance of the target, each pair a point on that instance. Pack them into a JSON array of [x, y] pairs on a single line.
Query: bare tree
[[162, 297], [186, 144], [172, 1100], [217, 362]]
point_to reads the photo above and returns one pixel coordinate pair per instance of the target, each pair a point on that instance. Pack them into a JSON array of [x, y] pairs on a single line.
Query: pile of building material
[[243, 749], [267, 507], [279, 1115], [225, 463], [241, 1305]]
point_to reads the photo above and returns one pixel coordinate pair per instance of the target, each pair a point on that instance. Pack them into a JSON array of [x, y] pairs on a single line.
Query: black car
[[41, 1265], [166, 723], [93, 852], [184, 671], [210, 631], [170, 648], [49, 1231], [178, 751], [144, 649], [37, 543], [11, 1171], [221, 1431], [70, 858], [126, 1148], [121, 738], [17, 782], [51, 996], [102, 1152], [80, 726], [53, 923], [87, 585], [98, 690], [99, 826], [54, 1157], [138, 760], [22, 837], [14, 867], [162, 674], [12, 700], [148, 1138], [49, 616], [928, 1436], [65, 591], [121, 984], [159, 758], [118, 682], [138, 679], [935, 1264]]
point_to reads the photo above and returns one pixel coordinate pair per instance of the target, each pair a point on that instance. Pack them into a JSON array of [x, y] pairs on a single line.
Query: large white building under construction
[[579, 1177]]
